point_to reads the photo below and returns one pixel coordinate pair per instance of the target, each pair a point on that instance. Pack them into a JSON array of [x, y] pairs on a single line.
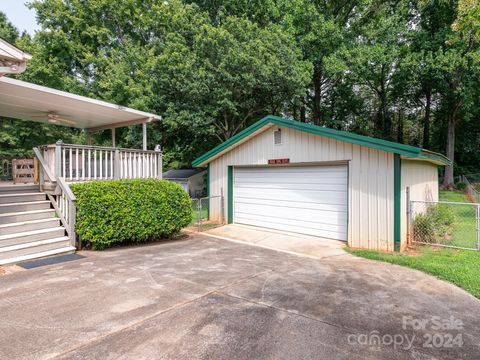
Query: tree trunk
[[448, 181], [400, 127], [426, 119], [317, 96], [303, 113]]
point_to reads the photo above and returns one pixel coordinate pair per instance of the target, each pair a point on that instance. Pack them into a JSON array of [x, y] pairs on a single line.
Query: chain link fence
[[201, 212], [443, 223], [471, 188]]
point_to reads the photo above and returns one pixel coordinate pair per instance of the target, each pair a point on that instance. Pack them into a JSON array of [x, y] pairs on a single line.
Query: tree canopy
[[405, 71]]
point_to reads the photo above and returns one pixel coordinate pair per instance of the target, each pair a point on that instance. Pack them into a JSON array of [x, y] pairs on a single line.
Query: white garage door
[[309, 199]]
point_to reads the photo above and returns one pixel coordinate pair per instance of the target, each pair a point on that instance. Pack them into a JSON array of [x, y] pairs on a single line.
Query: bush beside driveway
[[211, 298]]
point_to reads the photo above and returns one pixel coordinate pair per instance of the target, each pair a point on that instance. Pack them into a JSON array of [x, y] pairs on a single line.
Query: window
[[277, 137]]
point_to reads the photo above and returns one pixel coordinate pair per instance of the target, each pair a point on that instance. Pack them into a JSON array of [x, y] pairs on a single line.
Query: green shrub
[[461, 186], [434, 225], [116, 211]]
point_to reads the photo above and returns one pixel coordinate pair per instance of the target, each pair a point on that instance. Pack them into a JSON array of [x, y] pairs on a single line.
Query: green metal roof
[[379, 144]]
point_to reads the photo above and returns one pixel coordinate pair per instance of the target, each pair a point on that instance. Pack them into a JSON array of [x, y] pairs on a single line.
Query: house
[[292, 176], [12, 59], [191, 180], [38, 220]]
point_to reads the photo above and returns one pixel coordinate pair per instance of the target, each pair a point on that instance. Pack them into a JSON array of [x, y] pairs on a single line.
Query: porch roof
[[26, 101]]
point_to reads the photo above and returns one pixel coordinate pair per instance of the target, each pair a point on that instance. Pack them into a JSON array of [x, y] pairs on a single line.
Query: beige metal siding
[[422, 179], [370, 178]]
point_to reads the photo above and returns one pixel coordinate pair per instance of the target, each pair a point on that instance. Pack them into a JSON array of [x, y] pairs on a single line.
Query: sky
[[19, 15]]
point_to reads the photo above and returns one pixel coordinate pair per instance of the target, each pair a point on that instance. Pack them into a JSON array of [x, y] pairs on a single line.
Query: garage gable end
[[374, 143]]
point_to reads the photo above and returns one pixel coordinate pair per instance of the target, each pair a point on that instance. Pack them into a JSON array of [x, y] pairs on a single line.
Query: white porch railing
[[86, 163], [62, 163], [60, 195]]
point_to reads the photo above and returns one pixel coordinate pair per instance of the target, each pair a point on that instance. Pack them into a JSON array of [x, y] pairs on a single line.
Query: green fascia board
[[378, 144], [430, 155], [230, 195], [397, 201]]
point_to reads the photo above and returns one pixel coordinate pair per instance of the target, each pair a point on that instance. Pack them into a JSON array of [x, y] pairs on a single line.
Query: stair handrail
[[44, 165], [66, 210]]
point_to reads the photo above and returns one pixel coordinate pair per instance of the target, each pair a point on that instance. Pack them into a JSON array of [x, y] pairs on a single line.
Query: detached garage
[[287, 175]]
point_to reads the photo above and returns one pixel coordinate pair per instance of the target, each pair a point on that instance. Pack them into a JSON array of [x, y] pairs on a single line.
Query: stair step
[[21, 197], [33, 250], [31, 236], [24, 206], [29, 225], [5, 189], [13, 217]]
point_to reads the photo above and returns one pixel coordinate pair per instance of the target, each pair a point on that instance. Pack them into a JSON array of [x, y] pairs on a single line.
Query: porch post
[[89, 137], [113, 137], [144, 130], [58, 158], [116, 165], [159, 173]]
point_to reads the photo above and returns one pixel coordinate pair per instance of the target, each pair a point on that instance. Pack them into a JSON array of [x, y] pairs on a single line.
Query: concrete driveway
[[293, 243], [204, 298]]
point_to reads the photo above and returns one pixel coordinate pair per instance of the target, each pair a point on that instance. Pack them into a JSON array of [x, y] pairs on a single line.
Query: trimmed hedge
[[139, 210]]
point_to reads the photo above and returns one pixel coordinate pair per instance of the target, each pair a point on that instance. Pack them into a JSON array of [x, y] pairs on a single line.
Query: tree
[[461, 66], [208, 78]]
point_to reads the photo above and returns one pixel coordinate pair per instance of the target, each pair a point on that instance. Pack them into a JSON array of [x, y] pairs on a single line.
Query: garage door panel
[[282, 176], [293, 186], [323, 169], [329, 217], [292, 204], [332, 233], [308, 199], [326, 197], [314, 225]]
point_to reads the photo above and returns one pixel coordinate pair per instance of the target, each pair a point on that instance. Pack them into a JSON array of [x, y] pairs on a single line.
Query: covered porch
[[37, 206], [75, 162]]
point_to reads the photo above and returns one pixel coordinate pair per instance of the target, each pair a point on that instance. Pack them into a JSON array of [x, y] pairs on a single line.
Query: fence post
[[199, 214], [222, 207], [478, 227], [58, 158]]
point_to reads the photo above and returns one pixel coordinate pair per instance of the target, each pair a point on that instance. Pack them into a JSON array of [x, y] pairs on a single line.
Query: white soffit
[[27, 101], [12, 53]]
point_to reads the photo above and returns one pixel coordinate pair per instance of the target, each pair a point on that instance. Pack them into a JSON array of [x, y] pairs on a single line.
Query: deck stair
[[29, 228]]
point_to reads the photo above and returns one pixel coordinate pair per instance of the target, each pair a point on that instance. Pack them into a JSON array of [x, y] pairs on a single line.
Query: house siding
[[370, 178], [422, 179]]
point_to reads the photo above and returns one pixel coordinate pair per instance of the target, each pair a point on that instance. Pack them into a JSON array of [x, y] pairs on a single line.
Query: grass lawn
[[462, 232], [460, 267], [203, 214]]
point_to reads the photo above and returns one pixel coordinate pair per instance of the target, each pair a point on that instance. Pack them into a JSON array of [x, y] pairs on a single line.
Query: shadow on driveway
[[209, 298]]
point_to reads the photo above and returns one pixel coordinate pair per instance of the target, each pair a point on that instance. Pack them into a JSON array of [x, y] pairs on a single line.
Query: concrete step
[[30, 225], [5, 189], [21, 197], [37, 249], [31, 236], [24, 206], [8, 218]]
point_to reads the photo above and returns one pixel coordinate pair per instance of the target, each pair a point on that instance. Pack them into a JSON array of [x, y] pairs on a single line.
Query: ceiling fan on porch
[[55, 119]]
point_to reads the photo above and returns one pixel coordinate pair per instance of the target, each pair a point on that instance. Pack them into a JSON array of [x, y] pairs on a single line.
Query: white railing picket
[[83, 164], [76, 164], [86, 163], [101, 165], [89, 164]]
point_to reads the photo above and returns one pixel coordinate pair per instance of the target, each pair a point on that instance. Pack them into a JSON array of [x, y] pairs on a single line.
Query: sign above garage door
[[309, 200]]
